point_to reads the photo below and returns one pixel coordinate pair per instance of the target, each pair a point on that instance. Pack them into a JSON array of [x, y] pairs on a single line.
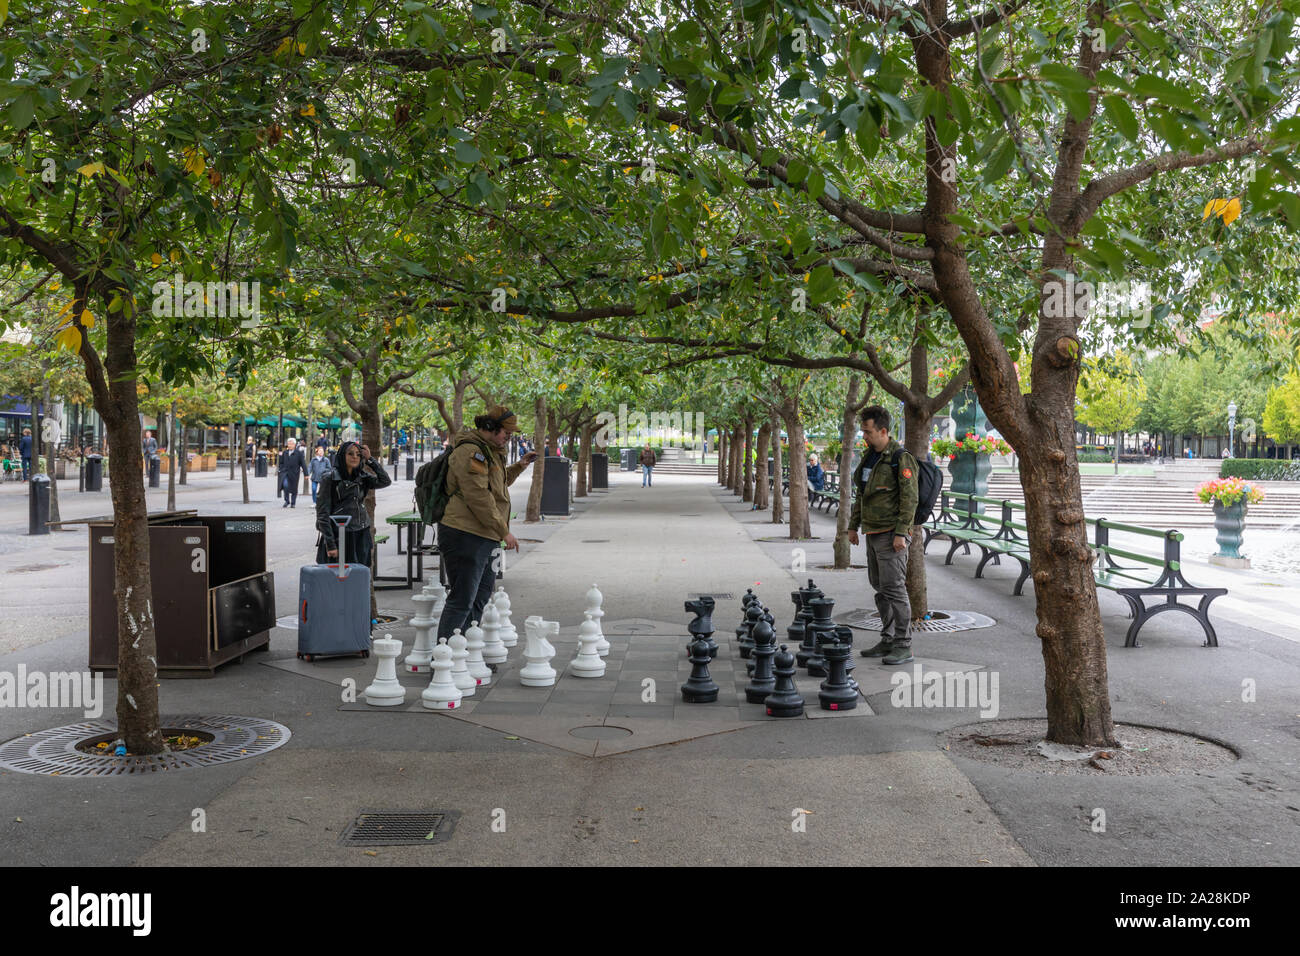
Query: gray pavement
[[692, 783]]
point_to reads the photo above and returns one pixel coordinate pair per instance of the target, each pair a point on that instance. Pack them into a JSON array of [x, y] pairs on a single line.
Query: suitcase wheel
[[306, 657], [363, 653]]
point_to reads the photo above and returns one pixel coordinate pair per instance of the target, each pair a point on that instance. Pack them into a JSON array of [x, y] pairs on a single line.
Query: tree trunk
[[584, 462], [234, 436], [171, 459], [722, 457], [747, 486], [533, 512], [760, 466], [800, 526], [737, 461], [778, 502], [848, 430], [552, 431], [1119, 443], [183, 451], [916, 440], [458, 404], [50, 448]]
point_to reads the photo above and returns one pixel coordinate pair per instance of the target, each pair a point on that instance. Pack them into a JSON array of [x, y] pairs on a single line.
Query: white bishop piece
[[494, 652], [588, 662], [538, 652], [385, 691], [509, 633], [478, 669], [441, 694], [594, 600], [460, 675], [417, 662]]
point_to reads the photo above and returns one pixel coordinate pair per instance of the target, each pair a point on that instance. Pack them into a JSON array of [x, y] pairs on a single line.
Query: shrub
[[1094, 457], [1261, 469]]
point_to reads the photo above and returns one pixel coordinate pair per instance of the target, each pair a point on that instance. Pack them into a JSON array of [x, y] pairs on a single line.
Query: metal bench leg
[[979, 568], [1139, 609], [1024, 576], [956, 543], [1203, 615]]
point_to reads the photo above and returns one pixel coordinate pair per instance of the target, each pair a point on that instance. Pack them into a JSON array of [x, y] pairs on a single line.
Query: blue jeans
[[645, 475], [314, 486], [471, 574], [27, 468]]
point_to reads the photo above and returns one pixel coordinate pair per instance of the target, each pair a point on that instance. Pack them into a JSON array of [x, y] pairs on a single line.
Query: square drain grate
[[716, 595], [400, 827]]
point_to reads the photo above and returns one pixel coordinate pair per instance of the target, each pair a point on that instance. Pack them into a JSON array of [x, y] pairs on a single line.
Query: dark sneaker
[[898, 654], [880, 650]]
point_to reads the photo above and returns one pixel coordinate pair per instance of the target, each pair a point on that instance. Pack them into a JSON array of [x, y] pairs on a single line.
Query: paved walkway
[[692, 783]]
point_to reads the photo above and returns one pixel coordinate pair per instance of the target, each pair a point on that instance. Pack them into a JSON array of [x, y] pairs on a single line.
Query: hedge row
[[1094, 457], [1264, 469]]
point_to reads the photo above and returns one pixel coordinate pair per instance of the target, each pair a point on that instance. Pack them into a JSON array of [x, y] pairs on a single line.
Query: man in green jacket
[[477, 520], [884, 509]]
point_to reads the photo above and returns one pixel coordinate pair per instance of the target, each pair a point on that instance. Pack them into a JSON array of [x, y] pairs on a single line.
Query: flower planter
[[970, 476], [1229, 526]]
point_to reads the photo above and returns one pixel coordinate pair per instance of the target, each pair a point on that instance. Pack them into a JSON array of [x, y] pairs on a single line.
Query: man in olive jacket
[[477, 519], [885, 506]]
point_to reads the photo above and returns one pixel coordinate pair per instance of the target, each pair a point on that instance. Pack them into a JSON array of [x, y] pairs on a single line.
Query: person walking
[[317, 469], [323, 443], [477, 519], [343, 491], [885, 506], [149, 448], [648, 461], [289, 471], [25, 452]]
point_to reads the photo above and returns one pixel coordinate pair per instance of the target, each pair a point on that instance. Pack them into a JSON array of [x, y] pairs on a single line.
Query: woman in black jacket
[[343, 492]]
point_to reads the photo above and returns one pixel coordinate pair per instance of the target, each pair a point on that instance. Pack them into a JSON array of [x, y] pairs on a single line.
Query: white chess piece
[[538, 652], [442, 693], [594, 600], [460, 675], [478, 668], [588, 662], [438, 593], [385, 691], [509, 633], [417, 662], [494, 652]]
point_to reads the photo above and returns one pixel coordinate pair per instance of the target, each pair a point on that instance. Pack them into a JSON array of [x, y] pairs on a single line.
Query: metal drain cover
[[865, 620], [716, 595], [598, 732], [400, 828], [54, 752]]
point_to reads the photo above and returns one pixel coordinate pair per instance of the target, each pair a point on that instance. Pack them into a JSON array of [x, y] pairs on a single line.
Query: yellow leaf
[[156, 259], [563, 386], [69, 339], [308, 110], [175, 256], [285, 46], [673, 127], [91, 169], [1231, 211], [302, 49], [704, 253], [87, 319], [194, 160]]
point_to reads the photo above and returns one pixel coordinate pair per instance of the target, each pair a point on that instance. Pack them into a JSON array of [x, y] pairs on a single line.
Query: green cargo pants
[[887, 571]]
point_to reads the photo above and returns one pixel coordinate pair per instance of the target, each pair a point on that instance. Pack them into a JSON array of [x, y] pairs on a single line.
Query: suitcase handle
[[342, 538], [304, 612]]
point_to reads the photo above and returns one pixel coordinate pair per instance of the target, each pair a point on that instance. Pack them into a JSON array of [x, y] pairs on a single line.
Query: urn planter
[[1229, 526]]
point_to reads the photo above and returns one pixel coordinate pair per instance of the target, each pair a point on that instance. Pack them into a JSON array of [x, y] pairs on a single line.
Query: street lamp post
[[1232, 425]]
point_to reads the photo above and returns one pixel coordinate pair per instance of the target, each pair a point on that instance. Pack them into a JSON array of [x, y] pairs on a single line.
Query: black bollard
[[38, 505], [702, 625], [699, 687], [836, 692], [155, 471], [763, 681], [784, 701]]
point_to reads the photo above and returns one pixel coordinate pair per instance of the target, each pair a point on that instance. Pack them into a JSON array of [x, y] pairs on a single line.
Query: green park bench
[[1152, 577], [415, 550]]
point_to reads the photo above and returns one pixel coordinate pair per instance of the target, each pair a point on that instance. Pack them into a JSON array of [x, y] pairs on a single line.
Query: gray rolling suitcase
[[334, 606]]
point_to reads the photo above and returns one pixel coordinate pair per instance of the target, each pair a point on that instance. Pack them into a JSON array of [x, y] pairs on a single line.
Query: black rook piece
[[702, 626], [836, 692], [699, 687], [763, 682], [784, 701]]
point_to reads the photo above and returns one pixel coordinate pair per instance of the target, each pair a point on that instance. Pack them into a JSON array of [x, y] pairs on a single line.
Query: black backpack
[[929, 485], [431, 495]]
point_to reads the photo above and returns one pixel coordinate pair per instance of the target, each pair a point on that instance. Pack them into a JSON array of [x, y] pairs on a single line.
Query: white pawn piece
[[478, 668], [417, 662], [538, 652], [494, 652], [442, 693], [588, 662], [460, 675], [386, 691], [594, 600], [509, 633]]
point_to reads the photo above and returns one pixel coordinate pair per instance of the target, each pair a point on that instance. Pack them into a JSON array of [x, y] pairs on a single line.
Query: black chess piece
[[836, 693], [844, 634], [763, 680], [748, 598], [784, 700], [807, 645], [771, 622], [702, 625], [822, 630], [753, 614], [794, 632], [699, 687]]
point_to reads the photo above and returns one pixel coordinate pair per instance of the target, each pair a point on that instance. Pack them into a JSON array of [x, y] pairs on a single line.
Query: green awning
[[334, 422]]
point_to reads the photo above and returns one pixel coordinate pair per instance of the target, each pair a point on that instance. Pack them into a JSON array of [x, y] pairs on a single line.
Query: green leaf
[[898, 106], [467, 153], [816, 183], [1121, 114], [796, 171], [1001, 161], [1169, 94], [22, 110]]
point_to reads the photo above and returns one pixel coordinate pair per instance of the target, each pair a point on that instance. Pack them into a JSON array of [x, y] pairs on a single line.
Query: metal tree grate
[[865, 620], [400, 828], [54, 752]]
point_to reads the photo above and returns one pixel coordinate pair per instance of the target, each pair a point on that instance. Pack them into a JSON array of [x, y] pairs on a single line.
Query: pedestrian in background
[[317, 469], [25, 452], [289, 470], [343, 491], [648, 462]]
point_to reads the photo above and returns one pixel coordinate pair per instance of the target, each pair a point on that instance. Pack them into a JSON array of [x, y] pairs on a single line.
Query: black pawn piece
[[702, 626], [753, 614], [836, 692], [699, 687], [763, 681], [784, 700]]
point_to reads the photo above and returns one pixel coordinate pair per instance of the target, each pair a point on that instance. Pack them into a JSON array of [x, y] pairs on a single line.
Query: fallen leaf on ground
[[371, 853]]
